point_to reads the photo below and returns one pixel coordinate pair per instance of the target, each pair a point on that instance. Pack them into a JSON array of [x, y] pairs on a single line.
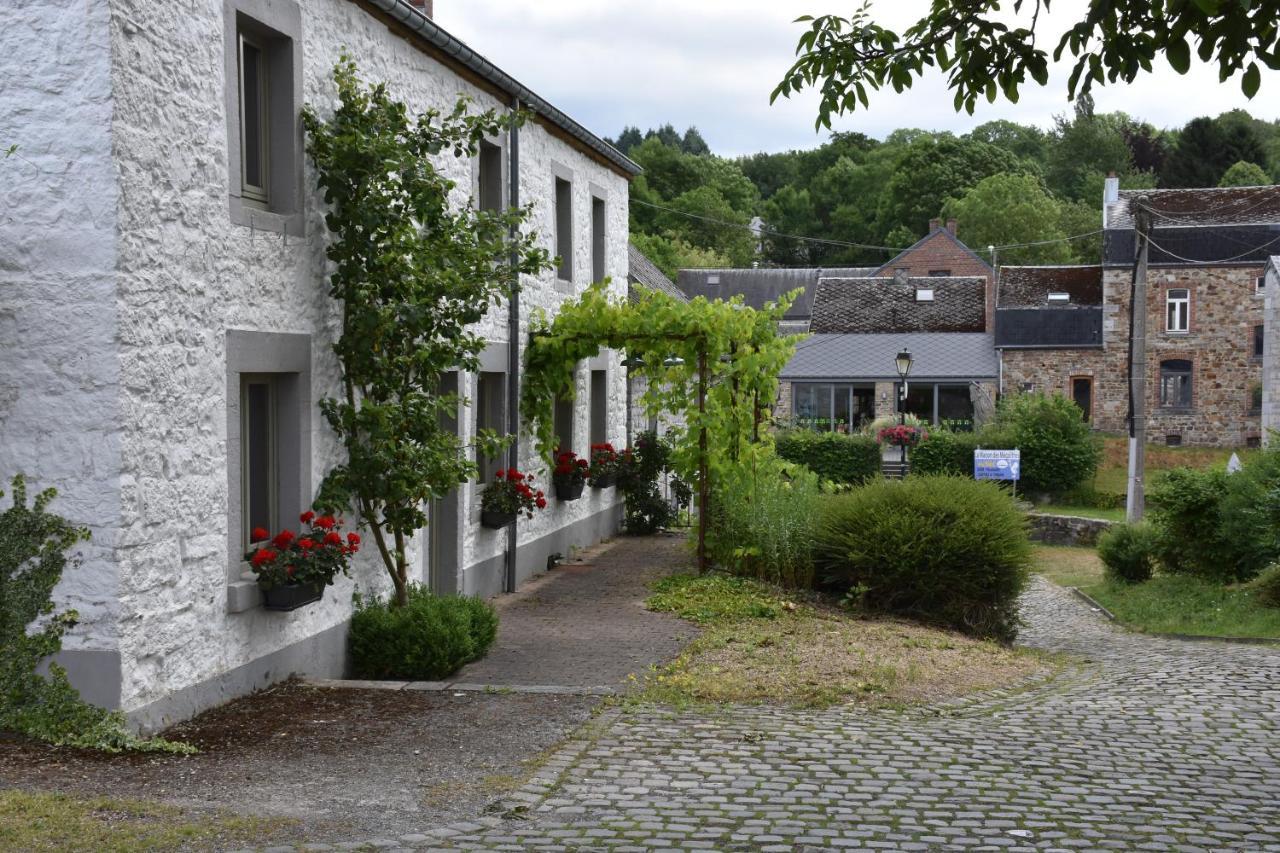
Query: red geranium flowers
[[512, 492], [315, 557]]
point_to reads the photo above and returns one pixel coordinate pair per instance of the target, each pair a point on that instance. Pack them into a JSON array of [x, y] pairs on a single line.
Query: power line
[[1240, 256]]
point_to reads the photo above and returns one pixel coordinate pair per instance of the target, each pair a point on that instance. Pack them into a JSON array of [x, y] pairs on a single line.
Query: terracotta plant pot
[[569, 492], [285, 598], [496, 520]]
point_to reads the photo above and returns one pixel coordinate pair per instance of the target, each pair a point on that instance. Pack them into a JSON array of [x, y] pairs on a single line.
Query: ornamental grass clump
[[428, 638], [762, 522], [949, 551]]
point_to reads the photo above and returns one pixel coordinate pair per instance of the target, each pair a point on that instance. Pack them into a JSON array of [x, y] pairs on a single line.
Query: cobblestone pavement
[[1142, 744]]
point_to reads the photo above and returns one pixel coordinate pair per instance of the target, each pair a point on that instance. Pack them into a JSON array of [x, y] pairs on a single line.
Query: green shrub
[[1249, 516], [1059, 452], [947, 550], [639, 470], [1266, 586], [430, 638], [1185, 509], [945, 452], [1128, 551], [762, 522], [833, 456]]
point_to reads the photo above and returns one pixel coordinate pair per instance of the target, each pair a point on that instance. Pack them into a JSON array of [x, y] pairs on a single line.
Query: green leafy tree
[[672, 254], [934, 169], [1080, 218], [1020, 140], [1207, 148], [790, 211], [983, 54], [412, 272], [1005, 209], [1084, 145], [1244, 174]]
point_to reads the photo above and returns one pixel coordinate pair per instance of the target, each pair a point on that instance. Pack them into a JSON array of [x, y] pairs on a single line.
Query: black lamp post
[[903, 362]]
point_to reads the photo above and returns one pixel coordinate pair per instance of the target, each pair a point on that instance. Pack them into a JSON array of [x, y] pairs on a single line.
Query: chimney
[[901, 276], [1110, 194], [951, 226], [423, 6], [934, 225]]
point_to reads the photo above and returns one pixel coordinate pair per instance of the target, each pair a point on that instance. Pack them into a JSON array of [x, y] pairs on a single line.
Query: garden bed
[[1166, 604]]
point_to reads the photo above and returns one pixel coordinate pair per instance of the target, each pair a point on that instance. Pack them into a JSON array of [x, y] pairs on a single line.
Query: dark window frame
[[1172, 369]]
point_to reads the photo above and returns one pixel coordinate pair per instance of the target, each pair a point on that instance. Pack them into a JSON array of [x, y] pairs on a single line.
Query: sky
[[714, 63]]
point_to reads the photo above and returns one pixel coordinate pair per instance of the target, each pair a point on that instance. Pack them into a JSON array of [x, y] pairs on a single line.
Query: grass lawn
[[1171, 604], [762, 644], [1113, 470], [38, 822], [1082, 511]]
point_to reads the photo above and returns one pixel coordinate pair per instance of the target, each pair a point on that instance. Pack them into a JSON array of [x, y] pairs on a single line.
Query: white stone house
[[1270, 348], [165, 307]]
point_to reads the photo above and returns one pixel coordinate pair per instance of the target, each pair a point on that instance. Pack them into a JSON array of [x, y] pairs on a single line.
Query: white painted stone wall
[[1271, 353], [121, 388], [60, 408]]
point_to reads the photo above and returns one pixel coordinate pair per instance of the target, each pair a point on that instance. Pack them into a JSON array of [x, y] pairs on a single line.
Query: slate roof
[[1200, 207], [871, 357], [758, 286], [872, 305], [1029, 287], [642, 271], [1049, 328]]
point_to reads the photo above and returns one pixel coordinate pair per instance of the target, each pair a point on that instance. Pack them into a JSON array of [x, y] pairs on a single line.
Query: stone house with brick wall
[[1205, 316], [940, 253], [166, 308]]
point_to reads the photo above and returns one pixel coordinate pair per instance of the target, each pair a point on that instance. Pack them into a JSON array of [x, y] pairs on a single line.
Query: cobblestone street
[[1140, 744]]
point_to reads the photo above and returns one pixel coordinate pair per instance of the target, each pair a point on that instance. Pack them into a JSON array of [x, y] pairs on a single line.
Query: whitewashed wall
[[1271, 353], [122, 276]]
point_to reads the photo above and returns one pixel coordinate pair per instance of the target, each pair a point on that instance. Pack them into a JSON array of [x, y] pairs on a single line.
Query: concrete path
[[1144, 744]]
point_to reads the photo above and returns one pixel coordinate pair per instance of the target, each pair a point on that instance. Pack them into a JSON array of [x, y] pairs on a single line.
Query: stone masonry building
[[162, 260]]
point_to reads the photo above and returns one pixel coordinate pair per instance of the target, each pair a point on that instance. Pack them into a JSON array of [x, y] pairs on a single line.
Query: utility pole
[[1136, 501]]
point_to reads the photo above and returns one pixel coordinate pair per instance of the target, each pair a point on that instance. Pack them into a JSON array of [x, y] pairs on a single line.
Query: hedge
[[833, 456]]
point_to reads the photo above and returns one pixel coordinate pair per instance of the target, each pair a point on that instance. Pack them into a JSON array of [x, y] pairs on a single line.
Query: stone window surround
[[561, 172], [285, 213], [288, 356], [599, 193], [500, 142], [1155, 383]]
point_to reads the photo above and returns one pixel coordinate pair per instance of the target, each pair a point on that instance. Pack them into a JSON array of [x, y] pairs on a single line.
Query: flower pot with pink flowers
[[901, 436], [294, 568], [509, 494]]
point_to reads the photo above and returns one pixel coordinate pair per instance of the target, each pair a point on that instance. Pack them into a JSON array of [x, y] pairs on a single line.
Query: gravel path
[[1142, 744]]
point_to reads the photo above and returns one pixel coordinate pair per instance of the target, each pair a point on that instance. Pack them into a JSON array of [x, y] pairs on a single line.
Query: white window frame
[[1177, 308], [258, 194], [1059, 298], [924, 294]]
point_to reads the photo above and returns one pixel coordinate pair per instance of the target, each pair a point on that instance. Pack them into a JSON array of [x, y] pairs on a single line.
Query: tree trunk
[[401, 576]]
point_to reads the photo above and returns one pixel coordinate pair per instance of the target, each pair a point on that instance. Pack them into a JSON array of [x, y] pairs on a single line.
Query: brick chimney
[[424, 6], [901, 276], [934, 225], [951, 226], [1110, 195]]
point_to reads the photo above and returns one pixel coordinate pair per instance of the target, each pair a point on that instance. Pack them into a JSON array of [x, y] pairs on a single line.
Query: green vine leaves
[[664, 340]]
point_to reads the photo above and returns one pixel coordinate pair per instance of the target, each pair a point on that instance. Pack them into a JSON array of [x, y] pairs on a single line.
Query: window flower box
[[603, 470], [291, 596], [510, 493], [570, 475], [293, 569], [495, 520]]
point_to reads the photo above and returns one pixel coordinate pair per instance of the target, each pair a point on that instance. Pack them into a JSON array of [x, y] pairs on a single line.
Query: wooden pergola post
[[704, 490]]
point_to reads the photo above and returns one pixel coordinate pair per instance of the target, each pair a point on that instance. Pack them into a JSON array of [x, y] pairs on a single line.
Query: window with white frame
[[255, 121], [1178, 310], [1175, 383]]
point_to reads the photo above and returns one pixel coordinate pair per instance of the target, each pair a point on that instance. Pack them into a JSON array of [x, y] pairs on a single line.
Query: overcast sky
[[713, 63]]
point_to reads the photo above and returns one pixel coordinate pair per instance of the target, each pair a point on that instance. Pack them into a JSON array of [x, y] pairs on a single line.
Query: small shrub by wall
[[848, 459], [1128, 552], [429, 638], [944, 452], [762, 522], [946, 550]]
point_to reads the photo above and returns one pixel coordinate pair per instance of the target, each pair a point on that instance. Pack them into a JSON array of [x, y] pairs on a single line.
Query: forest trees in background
[[1004, 182]]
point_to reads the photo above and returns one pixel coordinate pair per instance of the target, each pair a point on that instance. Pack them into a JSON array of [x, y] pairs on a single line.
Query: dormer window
[[924, 294], [713, 279], [1059, 298]]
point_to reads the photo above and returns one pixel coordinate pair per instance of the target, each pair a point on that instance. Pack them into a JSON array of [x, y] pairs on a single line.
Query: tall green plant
[[413, 272]]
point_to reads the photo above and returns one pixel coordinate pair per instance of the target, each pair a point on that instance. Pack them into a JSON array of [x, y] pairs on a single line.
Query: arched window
[[1175, 383]]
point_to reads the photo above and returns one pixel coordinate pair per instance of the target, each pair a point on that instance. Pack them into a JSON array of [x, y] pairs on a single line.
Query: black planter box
[[604, 482], [496, 520], [285, 598], [569, 493]]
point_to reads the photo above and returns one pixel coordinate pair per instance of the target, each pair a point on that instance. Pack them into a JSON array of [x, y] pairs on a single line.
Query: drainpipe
[[513, 345]]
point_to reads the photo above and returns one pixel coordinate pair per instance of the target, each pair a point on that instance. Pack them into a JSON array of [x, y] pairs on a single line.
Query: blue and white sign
[[997, 465]]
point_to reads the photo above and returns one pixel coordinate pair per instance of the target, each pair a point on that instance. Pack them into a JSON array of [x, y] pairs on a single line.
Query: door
[[1082, 393]]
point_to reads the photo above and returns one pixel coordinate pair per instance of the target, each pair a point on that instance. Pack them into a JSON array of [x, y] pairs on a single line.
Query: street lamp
[[903, 362]]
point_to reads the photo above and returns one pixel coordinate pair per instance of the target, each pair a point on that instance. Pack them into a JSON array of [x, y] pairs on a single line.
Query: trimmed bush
[[1185, 504], [851, 459], [1266, 586], [762, 522], [1128, 551], [946, 550], [1249, 516], [429, 638], [944, 452], [1059, 452]]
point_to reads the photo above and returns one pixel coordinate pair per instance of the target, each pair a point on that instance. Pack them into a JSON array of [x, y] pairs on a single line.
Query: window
[[263, 67], [1175, 383], [1059, 298], [489, 177], [939, 273], [490, 413], [1259, 340], [259, 455], [562, 419], [827, 408], [1082, 393], [599, 406], [564, 229], [1178, 310], [1260, 286], [598, 268], [924, 294]]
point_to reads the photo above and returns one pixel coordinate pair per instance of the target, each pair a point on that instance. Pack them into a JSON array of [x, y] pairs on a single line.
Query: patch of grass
[[1166, 604], [1113, 471], [1082, 511], [38, 822], [760, 644]]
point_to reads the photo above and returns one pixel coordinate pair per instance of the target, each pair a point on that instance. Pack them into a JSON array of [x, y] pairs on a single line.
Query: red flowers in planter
[[512, 492], [604, 463], [315, 558], [570, 470], [901, 436]]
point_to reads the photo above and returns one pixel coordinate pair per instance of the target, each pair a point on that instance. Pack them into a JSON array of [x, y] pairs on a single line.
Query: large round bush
[[946, 550], [1059, 452], [429, 638], [1128, 552]]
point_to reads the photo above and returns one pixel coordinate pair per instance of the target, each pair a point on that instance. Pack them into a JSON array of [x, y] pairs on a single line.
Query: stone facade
[[1270, 363], [118, 395]]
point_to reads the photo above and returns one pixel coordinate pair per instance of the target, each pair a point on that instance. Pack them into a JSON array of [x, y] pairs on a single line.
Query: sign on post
[[997, 465]]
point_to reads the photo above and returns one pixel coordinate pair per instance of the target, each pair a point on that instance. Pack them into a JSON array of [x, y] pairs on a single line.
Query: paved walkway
[[1146, 744]]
